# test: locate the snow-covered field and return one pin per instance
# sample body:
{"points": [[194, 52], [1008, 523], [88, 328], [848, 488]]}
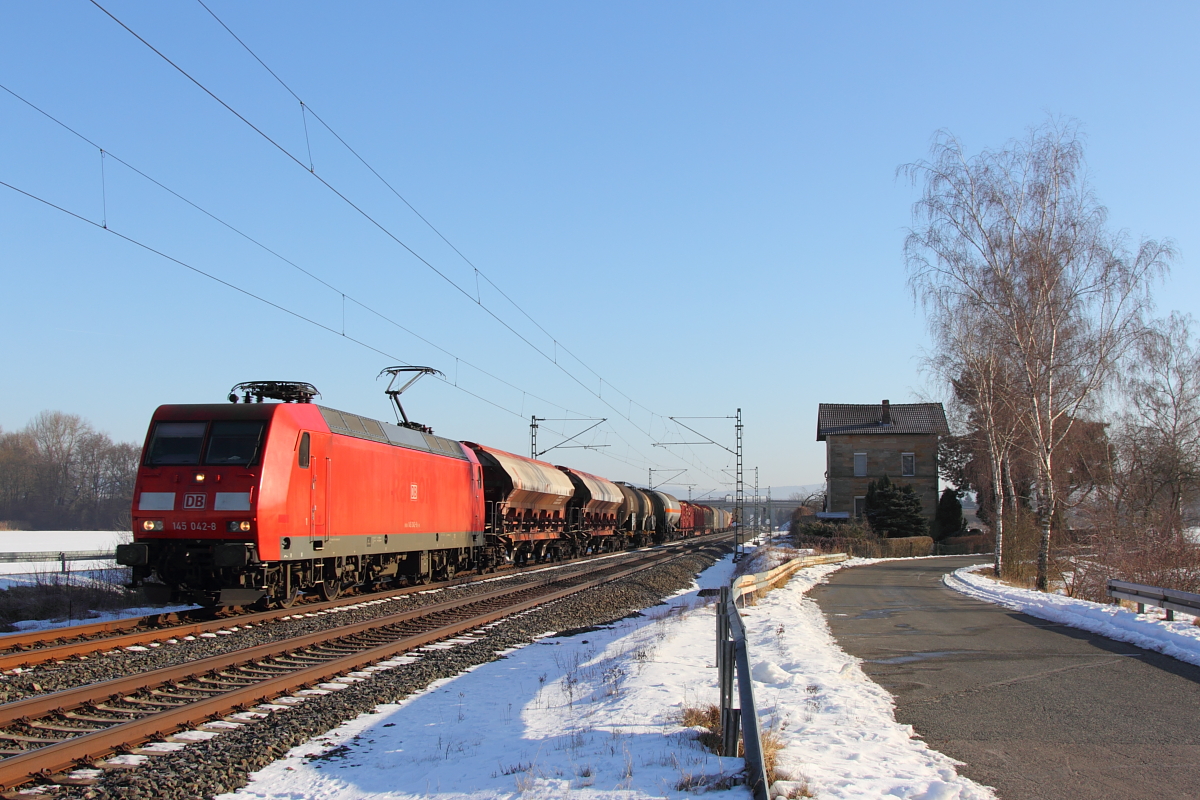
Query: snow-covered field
{"points": [[26, 572], [596, 715], [1179, 639], [49, 573]]}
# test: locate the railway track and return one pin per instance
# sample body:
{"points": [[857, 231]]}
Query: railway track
{"points": [[47, 736], [25, 650]]}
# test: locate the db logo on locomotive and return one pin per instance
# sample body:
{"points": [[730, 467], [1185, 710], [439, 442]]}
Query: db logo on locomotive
{"points": [[193, 501]]}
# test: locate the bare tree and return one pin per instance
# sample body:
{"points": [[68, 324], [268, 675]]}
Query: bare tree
{"points": [[1158, 437], [1017, 236], [60, 472], [971, 356]]}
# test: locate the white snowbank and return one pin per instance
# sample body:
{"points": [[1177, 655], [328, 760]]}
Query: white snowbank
{"points": [[1179, 639], [596, 715]]}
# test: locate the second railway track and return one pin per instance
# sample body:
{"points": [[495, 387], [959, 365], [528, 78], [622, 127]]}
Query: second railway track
{"points": [[24, 650], [53, 733]]}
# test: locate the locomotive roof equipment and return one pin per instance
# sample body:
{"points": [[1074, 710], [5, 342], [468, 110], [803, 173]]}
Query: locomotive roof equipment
{"points": [[394, 394], [284, 391]]}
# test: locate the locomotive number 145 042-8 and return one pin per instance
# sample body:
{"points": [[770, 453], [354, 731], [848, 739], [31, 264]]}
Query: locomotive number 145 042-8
{"points": [[193, 526]]}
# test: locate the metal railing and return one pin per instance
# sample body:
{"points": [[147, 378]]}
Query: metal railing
{"points": [[733, 657], [61, 556], [1171, 599]]}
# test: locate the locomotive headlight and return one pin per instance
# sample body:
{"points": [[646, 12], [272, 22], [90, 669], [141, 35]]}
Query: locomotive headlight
{"points": [[244, 526], [200, 477], [238, 527], [152, 525]]}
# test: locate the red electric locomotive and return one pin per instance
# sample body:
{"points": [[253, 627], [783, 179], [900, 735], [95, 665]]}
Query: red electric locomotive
{"points": [[242, 503]]}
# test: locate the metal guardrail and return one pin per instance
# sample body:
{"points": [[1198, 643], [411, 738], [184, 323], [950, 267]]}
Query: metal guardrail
{"points": [[733, 656], [1171, 599], [61, 556]]}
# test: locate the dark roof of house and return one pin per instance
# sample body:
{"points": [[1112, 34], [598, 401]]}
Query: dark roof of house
{"points": [[851, 418]]}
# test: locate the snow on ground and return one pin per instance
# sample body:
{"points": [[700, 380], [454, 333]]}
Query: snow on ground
{"points": [[92, 616], [838, 726], [1179, 639], [79, 573], [33, 541], [595, 715], [57, 542]]}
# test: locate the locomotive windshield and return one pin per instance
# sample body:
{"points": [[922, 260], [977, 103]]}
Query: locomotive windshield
{"points": [[176, 443], [181, 443], [233, 443]]}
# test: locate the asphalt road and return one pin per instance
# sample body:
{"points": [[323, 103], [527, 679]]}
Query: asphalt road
{"points": [[1035, 709]]}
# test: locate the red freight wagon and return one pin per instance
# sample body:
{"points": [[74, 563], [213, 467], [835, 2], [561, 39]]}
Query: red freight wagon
{"points": [[687, 518]]}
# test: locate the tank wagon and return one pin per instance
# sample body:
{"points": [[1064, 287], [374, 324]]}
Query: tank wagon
{"points": [[260, 502], [666, 510], [636, 515]]}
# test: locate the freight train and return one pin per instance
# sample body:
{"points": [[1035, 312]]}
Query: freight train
{"points": [[258, 503]]}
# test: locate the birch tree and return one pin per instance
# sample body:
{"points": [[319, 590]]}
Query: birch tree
{"points": [[971, 357], [1017, 236]]}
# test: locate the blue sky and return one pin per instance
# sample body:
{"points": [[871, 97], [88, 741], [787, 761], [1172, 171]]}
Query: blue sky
{"points": [[697, 200]]}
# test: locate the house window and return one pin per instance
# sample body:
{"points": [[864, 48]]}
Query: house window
{"points": [[860, 504], [860, 465], [908, 464]]}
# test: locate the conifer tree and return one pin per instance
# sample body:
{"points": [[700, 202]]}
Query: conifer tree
{"points": [[949, 520], [894, 511]]}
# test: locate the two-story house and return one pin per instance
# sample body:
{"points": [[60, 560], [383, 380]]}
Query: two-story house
{"points": [[865, 442]]}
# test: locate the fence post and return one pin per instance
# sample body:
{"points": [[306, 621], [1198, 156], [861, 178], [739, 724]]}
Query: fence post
{"points": [[63, 559], [722, 623], [730, 730]]}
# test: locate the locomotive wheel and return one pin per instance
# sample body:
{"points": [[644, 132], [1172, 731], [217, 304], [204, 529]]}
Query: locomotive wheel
{"points": [[286, 600], [330, 589]]}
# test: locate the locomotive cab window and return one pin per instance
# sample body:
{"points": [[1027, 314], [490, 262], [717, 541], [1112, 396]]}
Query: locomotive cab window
{"points": [[233, 443], [176, 443], [305, 447]]}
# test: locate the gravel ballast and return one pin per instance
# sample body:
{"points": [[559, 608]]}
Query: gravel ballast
{"points": [[98, 667], [222, 764]]}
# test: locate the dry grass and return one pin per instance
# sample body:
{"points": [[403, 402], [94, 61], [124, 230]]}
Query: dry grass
{"points": [[975, 543], [708, 719], [906, 547], [56, 596], [699, 782], [772, 743]]}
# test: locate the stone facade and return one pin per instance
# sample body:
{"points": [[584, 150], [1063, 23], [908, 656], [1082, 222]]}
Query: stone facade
{"points": [[884, 455]]}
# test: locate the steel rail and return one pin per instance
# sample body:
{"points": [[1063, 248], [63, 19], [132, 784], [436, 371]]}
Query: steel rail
{"points": [[19, 769], [62, 643]]}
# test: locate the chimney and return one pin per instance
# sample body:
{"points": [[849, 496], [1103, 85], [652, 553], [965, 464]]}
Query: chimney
{"points": [[887, 414]]}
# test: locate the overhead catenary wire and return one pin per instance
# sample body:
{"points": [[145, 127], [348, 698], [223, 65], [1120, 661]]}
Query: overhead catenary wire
{"points": [[246, 292], [478, 272], [266, 301], [643, 459], [343, 295], [376, 223], [384, 229]]}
